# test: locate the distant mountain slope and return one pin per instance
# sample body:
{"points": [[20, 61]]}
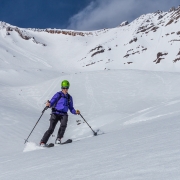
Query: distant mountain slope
{"points": [[151, 42]]}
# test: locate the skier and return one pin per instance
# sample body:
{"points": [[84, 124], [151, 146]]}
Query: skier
{"points": [[60, 103]]}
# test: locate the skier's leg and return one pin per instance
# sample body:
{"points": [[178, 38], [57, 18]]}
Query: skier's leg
{"points": [[53, 122], [62, 129]]}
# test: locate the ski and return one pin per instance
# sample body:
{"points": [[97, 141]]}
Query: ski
{"points": [[49, 145], [66, 142]]}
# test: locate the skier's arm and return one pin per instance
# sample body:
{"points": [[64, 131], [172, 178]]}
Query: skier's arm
{"points": [[71, 108], [54, 99]]}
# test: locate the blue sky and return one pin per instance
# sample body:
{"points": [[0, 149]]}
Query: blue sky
{"points": [[40, 13], [77, 14]]}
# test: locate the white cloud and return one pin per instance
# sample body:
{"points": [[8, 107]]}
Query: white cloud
{"points": [[110, 13]]}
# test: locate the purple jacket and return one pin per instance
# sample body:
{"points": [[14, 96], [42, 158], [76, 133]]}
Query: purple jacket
{"points": [[62, 105]]}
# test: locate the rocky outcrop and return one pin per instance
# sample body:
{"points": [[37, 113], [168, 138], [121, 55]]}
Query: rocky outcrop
{"points": [[170, 22], [96, 48], [160, 17], [133, 40], [23, 34], [177, 59], [98, 52], [172, 9], [99, 49], [70, 33], [159, 57], [178, 53], [146, 29], [125, 23]]}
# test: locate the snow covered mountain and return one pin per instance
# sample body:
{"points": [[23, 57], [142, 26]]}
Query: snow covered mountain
{"points": [[124, 80]]}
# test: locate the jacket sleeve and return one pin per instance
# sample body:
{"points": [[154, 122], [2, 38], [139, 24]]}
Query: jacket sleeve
{"points": [[54, 99], [71, 108]]}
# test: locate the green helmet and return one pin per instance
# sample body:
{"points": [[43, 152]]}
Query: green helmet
{"points": [[65, 84]]}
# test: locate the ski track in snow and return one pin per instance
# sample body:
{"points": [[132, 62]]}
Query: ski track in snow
{"points": [[140, 116], [32, 57]]}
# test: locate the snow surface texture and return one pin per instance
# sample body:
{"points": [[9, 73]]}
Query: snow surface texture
{"points": [[137, 110], [30, 146]]}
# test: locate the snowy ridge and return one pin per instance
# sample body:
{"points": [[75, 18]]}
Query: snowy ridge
{"points": [[142, 44]]}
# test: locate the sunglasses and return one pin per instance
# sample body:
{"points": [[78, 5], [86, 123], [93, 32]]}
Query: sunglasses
{"points": [[65, 88]]}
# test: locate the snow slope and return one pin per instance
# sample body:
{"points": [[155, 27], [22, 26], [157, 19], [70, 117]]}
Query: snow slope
{"points": [[139, 115], [137, 110]]}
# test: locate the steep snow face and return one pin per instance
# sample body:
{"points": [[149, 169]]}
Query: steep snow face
{"points": [[151, 42]]}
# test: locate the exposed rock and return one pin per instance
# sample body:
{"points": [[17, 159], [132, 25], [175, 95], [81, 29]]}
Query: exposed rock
{"points": [[159, 60], [145, 49], [154, 29], [127, 55], [90, 64], [160, 17], [98, 52], [70, 33], [129, 50], [177, 59], [34, 40], [22, 34], [135, 52], [172, 9], [159, 54], [171, 21], [133, 40], [161, 22], [176, 14], [174, 40], [146, 28], [178, 33], [158, 12], [9, 29], [96, 48], [178, 53], [124, 23]]}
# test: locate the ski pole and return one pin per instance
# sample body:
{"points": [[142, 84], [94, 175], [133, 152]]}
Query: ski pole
{"points": [[95, 133], [36, 123]]}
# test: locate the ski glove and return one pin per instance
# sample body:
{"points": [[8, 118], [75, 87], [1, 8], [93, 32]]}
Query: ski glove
{"points": [[77, 112], [48, 103]]}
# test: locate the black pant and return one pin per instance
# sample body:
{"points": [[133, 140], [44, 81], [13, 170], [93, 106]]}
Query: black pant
{"points": [[53, 121]]}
